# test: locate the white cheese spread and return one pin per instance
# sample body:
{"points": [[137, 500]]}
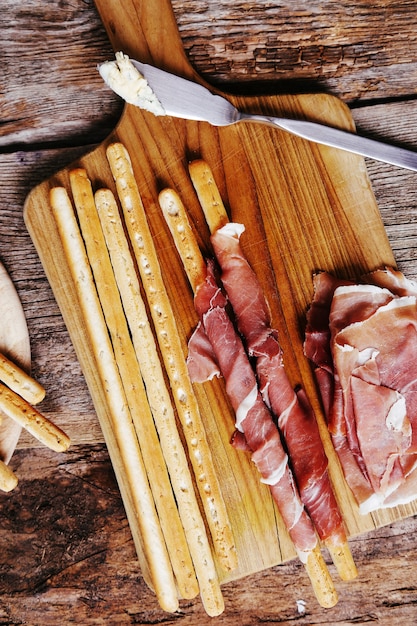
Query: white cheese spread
{"points": [[125, 80]]}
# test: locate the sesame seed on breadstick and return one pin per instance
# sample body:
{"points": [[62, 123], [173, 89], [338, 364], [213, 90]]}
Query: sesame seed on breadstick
{"points": [[15, 407]]}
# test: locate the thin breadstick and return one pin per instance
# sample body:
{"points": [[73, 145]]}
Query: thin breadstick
{"points": [[216, 217], [189, 251], [127, 363], [20, 382], [116, 422], [320, 578], [208, 194], [185, 241], [160, 401], [15, 407], [343, 559], [8, 479], [173, 357]]}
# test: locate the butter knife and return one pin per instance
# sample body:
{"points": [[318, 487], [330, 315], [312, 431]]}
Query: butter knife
{"points": [[182, 98]]}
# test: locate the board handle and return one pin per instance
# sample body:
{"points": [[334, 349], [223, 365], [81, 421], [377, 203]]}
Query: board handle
{"points": [[146, 30]]}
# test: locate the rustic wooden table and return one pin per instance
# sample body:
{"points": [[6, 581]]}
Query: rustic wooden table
{"points": [[66, 553]]}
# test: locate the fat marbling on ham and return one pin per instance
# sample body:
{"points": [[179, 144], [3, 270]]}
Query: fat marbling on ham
{"points": [[362, 339]]}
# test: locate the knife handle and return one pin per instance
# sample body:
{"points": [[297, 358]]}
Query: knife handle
{"points": [[336, 138]]}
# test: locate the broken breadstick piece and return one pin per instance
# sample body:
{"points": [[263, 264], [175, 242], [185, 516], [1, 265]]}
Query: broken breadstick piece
{"points": [[8, 479], [15, 407], [20, 382]]}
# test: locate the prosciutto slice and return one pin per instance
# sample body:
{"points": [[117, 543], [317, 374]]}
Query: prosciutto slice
{"points": [[368, 343], [254, 423], [296, 419], [393, 280]]}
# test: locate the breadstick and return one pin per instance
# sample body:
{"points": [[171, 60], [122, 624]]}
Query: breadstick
{"points": [[127, 363], [160, 401], [20, 382], [8, 479], [320, 579], [116, 421], [15, 407], [173, 357], [343, 560], [187, 246], [216, 217], [208, 194], [183, 236]]}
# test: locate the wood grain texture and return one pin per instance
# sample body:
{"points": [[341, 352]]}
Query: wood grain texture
{"points": [[75, 562], [363, 52], [71, 563]]}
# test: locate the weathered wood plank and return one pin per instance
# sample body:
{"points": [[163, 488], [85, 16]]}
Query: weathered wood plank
{"points": [[362, 50], [53, 92], [394, 188], [67, 557]]}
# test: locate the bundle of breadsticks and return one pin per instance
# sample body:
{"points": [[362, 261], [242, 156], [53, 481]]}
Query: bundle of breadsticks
{"points": [[152, 423], [18, 393], [106, 248]]}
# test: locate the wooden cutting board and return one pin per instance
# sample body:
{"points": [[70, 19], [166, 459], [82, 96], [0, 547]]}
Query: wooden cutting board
{"points": [[305, 208]]}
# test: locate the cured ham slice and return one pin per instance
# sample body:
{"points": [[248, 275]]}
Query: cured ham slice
{"points": [[253, 418], [317, 337], [317, 347], [393, 280], [296, 419], [368, 341]]}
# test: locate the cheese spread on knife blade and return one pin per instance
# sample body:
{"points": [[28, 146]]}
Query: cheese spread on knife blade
{"points": [[125, 80]]}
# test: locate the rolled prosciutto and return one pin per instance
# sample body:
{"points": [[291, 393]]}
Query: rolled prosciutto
{"points": [[367, 346], [216, 340], [295, 417]]}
